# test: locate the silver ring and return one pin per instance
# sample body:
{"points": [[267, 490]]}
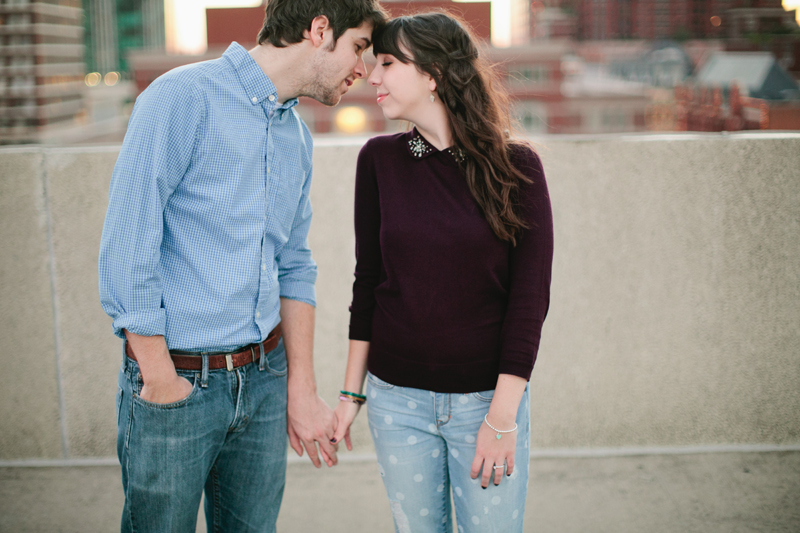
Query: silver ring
{"points": [[495, 467]]}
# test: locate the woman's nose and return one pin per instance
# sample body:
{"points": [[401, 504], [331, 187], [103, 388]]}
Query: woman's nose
{"points": [[374, 78]]}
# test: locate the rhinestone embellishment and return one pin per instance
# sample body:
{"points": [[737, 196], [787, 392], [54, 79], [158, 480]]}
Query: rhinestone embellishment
{"points": [[457, 153], [418, 146]]}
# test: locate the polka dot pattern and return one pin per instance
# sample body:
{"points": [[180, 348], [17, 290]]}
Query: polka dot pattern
{"points": [[469, 439], [435, 454], [400, 496], [412, 440], [496, 500], [418, 478], [388, 420], [463, 399], [476, 520], [393, 459], [454, 452], [423, 512], [412, 405]]}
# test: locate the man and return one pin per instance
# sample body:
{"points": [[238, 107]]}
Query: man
{"points": [[206, 271]]}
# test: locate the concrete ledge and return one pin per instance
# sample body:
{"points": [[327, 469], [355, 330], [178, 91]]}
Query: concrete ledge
{"points": [[673, 319]]}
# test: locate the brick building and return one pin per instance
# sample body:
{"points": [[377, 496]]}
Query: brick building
{"points": [[671, 19], [41, 68]]}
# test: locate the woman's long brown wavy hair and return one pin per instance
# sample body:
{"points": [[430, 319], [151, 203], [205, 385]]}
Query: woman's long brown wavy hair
{"points": [[441, 46]]}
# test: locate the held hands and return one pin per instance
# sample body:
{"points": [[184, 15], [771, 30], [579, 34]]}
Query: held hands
{"points": [[491, 451], [310, 422], [345, 414]]}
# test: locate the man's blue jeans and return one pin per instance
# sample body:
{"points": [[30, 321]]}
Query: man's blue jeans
{"points": [[228, 437]]}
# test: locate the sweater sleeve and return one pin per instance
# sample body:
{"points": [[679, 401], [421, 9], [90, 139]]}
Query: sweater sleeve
{"points": [[368, 249], [530, 265]]}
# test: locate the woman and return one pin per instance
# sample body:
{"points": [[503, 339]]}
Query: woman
{"points": [[454, 250]]}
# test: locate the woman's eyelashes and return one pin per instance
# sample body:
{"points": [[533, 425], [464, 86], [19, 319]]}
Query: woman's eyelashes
{"points": [[386, 63]]}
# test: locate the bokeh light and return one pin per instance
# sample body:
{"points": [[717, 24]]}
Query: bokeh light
{"points": [[351, 119], [111, 78], [93, 79]]}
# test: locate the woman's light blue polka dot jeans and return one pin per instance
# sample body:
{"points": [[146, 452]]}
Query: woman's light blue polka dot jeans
{"points": [[425, 442]]}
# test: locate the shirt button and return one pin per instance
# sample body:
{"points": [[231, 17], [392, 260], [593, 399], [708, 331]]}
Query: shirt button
{"points": [[272, 98], [264, 267], [267, 170], [254, 99], [258, 315]]}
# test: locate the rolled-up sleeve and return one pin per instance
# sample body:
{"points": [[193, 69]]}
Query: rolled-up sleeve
{"points": [[155, 154], [297, 271]]}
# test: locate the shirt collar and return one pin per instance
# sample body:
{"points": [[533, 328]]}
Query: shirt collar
{"points": [[420, 148], [257, 85]]}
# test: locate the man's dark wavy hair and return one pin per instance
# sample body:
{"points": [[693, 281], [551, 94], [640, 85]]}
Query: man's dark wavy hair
{"points": [[286, 20]]}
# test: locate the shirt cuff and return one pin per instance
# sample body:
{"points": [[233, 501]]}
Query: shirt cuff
{"points": [[516, 368], [302, 291], [145, 323]]}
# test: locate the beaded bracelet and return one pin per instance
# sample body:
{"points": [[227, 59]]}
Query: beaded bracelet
{"points": [[499, 431]]}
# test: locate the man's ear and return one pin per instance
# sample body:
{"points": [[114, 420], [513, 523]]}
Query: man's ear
{"points": [[316, 33]]}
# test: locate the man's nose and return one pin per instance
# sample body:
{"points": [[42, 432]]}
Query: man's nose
{"points": [[361, 68]]}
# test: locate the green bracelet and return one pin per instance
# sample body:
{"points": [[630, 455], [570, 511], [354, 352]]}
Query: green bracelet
{"points": [[353, 394]]}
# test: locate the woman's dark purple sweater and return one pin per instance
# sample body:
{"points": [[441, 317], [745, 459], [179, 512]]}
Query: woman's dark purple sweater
{"points": [[444, 303]]}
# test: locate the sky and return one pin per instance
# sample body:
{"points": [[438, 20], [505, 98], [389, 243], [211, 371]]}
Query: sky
{"points": [[186, 21]]}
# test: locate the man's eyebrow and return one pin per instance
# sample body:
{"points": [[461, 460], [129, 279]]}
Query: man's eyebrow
{"points": [[367, 42]]}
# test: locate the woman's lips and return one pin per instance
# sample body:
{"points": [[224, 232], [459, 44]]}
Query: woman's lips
{"points": [[381, 97]]}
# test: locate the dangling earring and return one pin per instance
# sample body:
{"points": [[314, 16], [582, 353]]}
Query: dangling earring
{"points": [[433, 99]]}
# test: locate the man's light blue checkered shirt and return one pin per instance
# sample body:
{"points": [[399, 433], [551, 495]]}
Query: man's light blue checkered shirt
{"points": [[209, 209]]}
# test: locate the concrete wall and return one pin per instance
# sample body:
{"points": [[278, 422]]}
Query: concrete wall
{"points": [[674, 316]]}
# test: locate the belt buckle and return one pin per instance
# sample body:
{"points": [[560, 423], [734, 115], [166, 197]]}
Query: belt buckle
{"points": [[229, 362]]}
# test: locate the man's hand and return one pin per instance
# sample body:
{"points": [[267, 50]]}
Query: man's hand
{"points": [[161, 384], [311, 421], [170, 390]]}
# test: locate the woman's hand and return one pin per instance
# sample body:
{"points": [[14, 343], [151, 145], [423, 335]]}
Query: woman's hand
{"points": [[491, 451], [345, 414]]}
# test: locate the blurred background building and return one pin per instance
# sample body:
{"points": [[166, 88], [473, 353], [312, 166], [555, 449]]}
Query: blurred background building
{"points": [[71, 70], [41, 69]]}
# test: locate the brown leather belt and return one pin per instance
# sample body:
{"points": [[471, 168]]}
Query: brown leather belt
{"points": [[248, 354]]}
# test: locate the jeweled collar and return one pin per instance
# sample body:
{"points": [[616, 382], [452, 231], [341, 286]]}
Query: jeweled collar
{"points": [[420, 148]]}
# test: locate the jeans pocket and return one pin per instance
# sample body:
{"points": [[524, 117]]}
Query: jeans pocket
{"points": [[276, 361], [483, 396], [375, 381], [191, 376]]}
